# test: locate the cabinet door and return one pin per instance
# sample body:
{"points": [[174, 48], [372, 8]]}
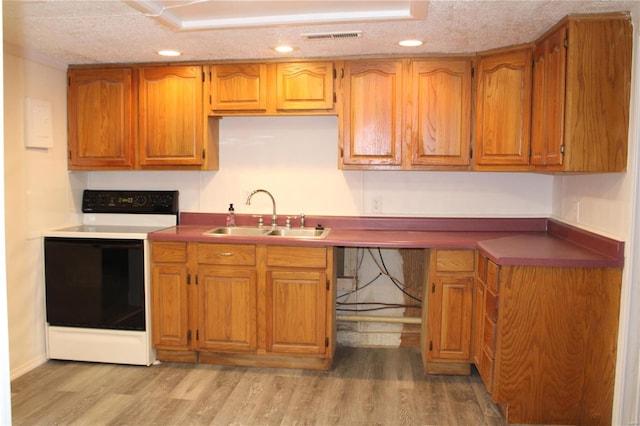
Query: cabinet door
{"points": [[171, 116], [441, 112], [227, 314], [296, 311], [450, 315], [598, 89], [239, 87], [170, 306], [100, 119], [503, 109], [371, 123], [549, 76], [304, 86]]}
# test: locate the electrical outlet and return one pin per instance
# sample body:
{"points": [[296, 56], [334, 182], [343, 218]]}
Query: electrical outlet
{"points": [[376, 204]]}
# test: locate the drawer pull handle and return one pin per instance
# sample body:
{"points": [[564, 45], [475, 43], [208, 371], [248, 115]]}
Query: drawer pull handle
{"points": [[226, 254]]}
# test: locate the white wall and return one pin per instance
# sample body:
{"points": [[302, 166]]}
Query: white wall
{"points": [[39, 195], [296, 159], [5, 385]]}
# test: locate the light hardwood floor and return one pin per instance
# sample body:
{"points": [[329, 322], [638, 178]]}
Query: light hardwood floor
{"points": [[365, 387]]}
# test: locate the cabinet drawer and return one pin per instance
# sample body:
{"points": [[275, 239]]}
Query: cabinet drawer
{"points": [[227, 254], [489, 336], [455, 261], [303, 257], [492, 276], [486, 370], [482, 268], [163, 251], [491, 305]]}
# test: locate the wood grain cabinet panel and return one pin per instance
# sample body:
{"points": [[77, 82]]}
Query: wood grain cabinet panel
{"points": [[171, 116], [449, 313], [296, 304], [371, 125], [141, 117], [550, 355], [243, 304], [503, 109], [227, 254], [170, 296], [170, 301], [487, 270], [581, 106], [441, 112], [101, 119], [283, 88], [451, 306], [227, 312], [478, 318], [304, 86], [239, 87], [549, 71]]}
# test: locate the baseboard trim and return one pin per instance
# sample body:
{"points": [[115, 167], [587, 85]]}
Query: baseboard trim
{"points": [[26, 367]]}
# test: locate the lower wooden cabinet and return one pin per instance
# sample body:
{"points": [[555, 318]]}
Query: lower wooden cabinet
{"points": [[227, 309], [448, 315], [547, 341], [296, 312], [170, 296], [243, 304], [485, 318]]}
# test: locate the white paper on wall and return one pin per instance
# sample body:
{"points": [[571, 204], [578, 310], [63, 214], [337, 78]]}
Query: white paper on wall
{"points": [[38, 124]]}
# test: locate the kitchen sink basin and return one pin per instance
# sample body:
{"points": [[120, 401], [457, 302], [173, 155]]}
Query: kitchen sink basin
{"points": [[250, 231], [300, 232], [246, 231]]}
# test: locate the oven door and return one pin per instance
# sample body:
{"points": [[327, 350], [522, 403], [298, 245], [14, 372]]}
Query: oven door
{"points": [[95, 283]]}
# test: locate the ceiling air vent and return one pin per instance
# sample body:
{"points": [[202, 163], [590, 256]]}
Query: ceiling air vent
{"points": [[341, 34]]}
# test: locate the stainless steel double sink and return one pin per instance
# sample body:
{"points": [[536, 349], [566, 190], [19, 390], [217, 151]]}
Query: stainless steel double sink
{"points": [[250, 231]]}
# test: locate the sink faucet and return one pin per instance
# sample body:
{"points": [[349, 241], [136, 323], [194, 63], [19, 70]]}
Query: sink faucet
{"points": [[274, 217]]}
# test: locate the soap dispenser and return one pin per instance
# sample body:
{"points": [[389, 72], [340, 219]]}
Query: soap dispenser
{"points": [[231, 218]]}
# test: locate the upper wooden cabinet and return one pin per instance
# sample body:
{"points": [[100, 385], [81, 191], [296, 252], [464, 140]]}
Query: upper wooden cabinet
{"points": [[139, 118], [503, 109], [547, 123], [581, 93], [440, 123], [271, 89], [304, 86], [239, 87], [170, 116], [371, 123], [102, 132], [406, 114], [560, 104]]}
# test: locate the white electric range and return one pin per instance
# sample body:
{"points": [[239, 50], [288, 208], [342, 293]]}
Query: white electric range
{"points": [[97, 278]]}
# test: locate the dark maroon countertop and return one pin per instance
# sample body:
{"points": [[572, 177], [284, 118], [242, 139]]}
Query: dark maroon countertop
{"points": [[506, 241]]}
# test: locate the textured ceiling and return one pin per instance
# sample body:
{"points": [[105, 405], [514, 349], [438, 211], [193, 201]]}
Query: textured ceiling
{"points": [[80, 32]]}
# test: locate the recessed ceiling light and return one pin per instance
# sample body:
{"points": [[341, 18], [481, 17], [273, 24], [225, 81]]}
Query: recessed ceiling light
{"points": [[283, 49], [410, 43], [168, 53]]}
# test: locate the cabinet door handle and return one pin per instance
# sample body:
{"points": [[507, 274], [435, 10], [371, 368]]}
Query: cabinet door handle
{"points": [[226, 254]]}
